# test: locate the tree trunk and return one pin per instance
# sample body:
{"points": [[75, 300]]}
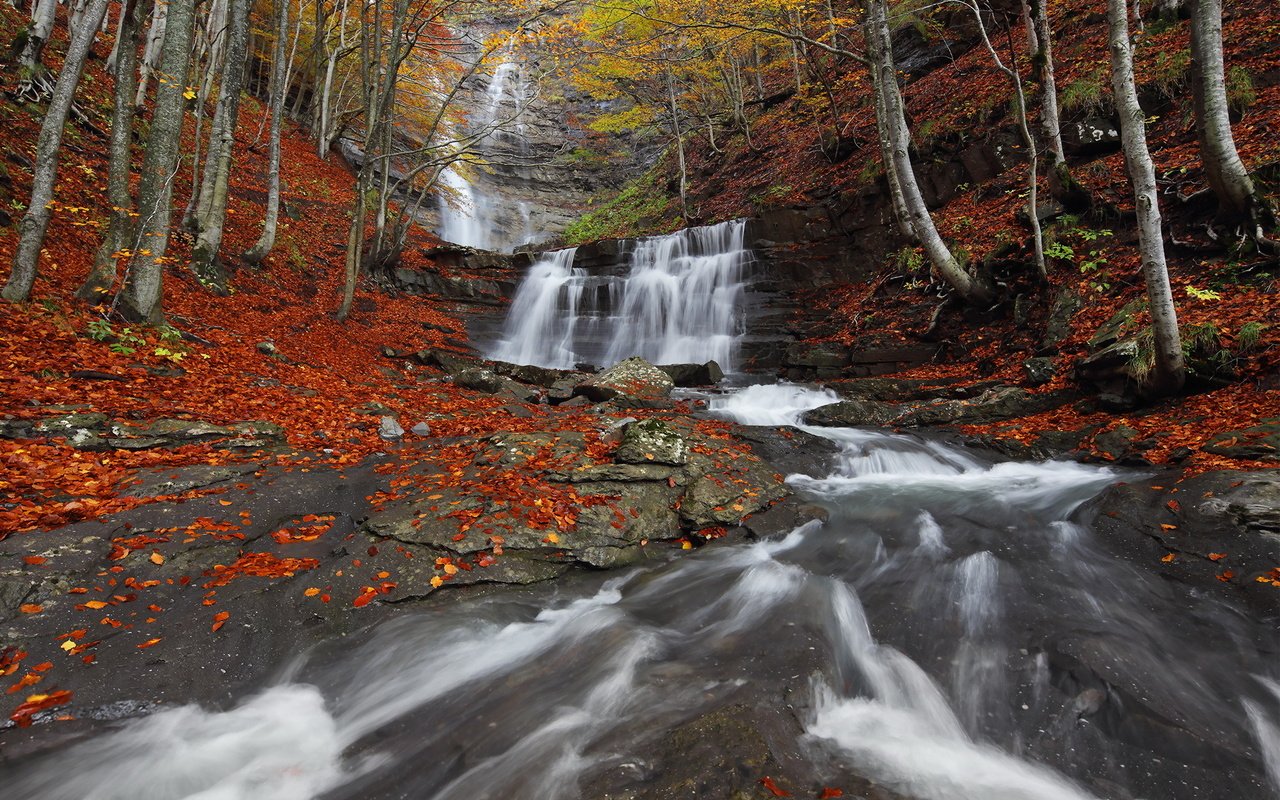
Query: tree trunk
{"points": [[36, 221], [42, 19], [679, 136], [880, 49], [140, 297], [1043, 62], [151, 55], [1237, 197], [900, 214], [102, 276], [211, 208], [279, 90], [1169, 372]]}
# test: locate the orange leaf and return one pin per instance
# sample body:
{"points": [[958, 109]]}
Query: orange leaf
{"points": [[311, 592], [156, 558], [31, 608], [829, 792], [773, 788], [34, 560], [1217, 556], [1168, 558], [95, 604], [148, 643], [1226, 576]]}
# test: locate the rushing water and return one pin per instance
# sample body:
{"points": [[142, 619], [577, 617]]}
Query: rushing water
{"points": [[468, 216], [953, 631], [679, 301]]}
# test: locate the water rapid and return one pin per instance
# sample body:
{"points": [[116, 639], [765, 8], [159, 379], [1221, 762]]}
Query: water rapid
{"points": [[680, 300], [952, 631]]}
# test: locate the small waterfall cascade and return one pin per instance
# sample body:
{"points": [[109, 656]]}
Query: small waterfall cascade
{"points": [[680, 299], [468, 216]]}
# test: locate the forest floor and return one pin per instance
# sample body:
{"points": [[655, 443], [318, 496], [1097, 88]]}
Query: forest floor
{"points": [[328, 385]]}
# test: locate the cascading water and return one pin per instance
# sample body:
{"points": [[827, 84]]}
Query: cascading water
{"points": [[952, 632], [681, 301], [468, 216]]}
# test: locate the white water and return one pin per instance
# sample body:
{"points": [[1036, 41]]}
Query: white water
{"points": [[469, 217], [681, 301], [941, 635]]}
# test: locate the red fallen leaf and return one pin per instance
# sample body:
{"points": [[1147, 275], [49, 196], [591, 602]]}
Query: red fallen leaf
{"points": [[773, 788], [37, 703], [365, 598], [1217, 556], [34, 561], [1226, 576], [829, 792], [31, 608], [43, 667], [324, 598], [373, 550], [220, 619], [1174, 506], [149, 643]]}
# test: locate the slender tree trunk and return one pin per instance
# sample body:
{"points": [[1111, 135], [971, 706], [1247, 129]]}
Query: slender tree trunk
{"points": [[42, 19], [1225, 172], [211, 208], [1045, 74], [103, 274], [36, 221], [140, 298], [880, 49], [899, 204], [151, 55], [279, 90], [1170, 370], [678, 133]]}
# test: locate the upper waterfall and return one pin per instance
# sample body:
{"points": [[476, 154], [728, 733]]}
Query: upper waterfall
{"points": [[681, 300]]}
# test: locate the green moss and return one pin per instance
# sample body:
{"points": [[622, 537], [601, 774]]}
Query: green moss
{"points": [[639, 208]]}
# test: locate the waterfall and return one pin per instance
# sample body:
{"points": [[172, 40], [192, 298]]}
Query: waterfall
{"points": [[468, 216], [681, 300]]}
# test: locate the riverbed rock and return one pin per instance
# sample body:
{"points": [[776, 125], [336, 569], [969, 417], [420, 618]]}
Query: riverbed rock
{"points": [[1259, 442], [692, 375], [389, 429], [852, 414], [483, 380], [652, 441], [634, 381]]}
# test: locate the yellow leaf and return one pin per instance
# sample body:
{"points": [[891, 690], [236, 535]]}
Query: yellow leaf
{"points": [[68, 645], [156, 558], [553, 538], [312, 592], [437, 581]]}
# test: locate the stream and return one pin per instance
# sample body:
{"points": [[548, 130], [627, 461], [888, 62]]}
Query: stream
{"points": [[952, 631]]}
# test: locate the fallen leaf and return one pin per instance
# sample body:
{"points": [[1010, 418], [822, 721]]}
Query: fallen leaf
{"points": [[311, 592], [156, 558], [773, 788], [149, 643], [1168, 558], [1217, 556], [31, 608]]}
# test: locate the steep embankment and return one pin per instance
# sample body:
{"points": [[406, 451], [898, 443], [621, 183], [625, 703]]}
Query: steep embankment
{"points": [[866, 304]]}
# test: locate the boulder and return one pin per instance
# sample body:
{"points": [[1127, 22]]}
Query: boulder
{"points": [[689, 375], [634, 380], [1091, 137], [1039, 370], [994, 405], [482, 380], [389, 429], [852, 414], [1260, 442], [654, 442]]}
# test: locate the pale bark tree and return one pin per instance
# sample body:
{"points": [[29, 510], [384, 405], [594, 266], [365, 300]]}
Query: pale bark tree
{"points": [[35, 223], [102, 276], [279, 91], [211, 207], [880, 53], [152, 53], [140, 298], [1041, 33], [1238, 198], [1169, 369], [32, 82]]}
